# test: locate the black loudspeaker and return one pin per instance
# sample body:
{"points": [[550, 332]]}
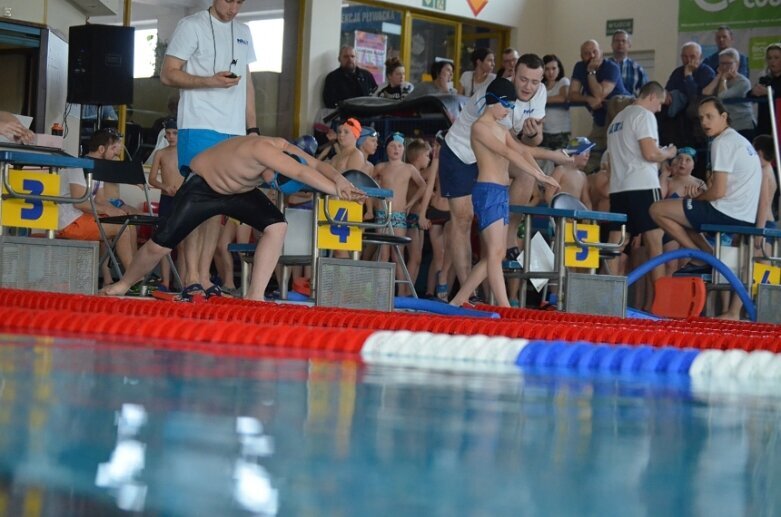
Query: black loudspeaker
{"points": [[100, 64]]}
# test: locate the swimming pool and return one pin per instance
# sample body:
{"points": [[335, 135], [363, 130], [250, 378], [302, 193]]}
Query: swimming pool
{"points": [[105, 425]]}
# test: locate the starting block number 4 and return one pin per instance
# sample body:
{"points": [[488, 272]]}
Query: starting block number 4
{"points": [[22, 213], [340, 236], [576, 255], [765, 274]]}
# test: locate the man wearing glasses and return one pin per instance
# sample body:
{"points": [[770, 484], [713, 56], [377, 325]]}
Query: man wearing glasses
{"points": [[208, 60]]}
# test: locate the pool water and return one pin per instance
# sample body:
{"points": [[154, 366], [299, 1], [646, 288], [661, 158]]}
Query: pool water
{"points": [[89, 428]]}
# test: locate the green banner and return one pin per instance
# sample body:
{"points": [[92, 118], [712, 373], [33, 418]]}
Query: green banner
{"points": [[757, 48], [700, 15]]}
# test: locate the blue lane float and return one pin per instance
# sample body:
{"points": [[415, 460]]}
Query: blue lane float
{"points": [[436, 307], [589, 358], [709, 259]]}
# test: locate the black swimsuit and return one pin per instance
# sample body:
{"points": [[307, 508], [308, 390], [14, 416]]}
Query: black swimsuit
{"points": [[196, 202]]}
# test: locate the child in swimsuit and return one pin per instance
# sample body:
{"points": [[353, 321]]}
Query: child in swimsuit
{"points": [[396, 175], [495, 149]]}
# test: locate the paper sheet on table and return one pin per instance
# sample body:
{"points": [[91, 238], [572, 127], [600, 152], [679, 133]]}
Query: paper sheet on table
{"points": [[25, 120], [541, 260]]}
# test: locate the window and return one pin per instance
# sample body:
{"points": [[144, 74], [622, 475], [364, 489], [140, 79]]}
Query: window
{"points": [[267, 35], [432, 40], [144, 52]]}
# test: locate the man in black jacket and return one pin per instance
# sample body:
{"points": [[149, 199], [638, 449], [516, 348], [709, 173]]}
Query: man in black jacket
{"points": [[347, 81]]}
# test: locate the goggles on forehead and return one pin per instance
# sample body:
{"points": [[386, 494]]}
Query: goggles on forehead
{"points": [[503, 101], [395, 137]]}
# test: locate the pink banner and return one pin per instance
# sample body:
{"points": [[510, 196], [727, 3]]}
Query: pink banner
{"points": [[370, 50]]}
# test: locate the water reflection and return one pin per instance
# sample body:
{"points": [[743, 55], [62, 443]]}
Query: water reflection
{"points": [[96, 431]]}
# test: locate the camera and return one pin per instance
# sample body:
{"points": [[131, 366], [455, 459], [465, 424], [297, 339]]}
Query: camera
{"points": [[765, 80]]}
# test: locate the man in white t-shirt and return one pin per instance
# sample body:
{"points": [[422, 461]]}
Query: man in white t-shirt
{"points": [[76, 221], [733, 189], [208, 59], [635, 155], [457, 162]]}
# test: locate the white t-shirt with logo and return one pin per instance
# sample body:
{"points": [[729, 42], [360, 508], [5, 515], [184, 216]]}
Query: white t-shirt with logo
{"points": [[628, 169], [66, 212], [219, 109], [735, 156], [458, 136], [557, 119]]}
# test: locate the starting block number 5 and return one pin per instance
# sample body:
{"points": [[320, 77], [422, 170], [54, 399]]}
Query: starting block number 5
{"points": [[576, 255], [22, 213], [340, 236]]}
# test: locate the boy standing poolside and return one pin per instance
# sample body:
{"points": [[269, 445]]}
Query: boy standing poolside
{"points": [[396, 175], [495, 151], [165, 166]]}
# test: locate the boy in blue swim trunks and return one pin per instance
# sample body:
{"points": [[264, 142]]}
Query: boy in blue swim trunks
{"points": [[492, 144]]}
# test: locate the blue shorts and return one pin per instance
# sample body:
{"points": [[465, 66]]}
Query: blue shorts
{"points": [[456, 178], [490, 202], [192, 141], [702, 212]]}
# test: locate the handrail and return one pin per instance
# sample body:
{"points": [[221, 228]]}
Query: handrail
{"points": [[36, 197], [610, 246], [376, 193]]}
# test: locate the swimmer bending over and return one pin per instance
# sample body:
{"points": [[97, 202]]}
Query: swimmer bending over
{"points": [[224, 180]]}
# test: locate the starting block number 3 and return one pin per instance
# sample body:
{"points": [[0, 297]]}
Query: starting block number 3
{"points": [[22, 213], [340, 236]]}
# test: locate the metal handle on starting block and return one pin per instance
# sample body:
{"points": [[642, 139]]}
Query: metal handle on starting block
{"points": [[373, 226], [599, 245], [54, 199]]}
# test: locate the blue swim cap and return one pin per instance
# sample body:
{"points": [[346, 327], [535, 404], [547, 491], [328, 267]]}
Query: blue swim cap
{"points": [[284, 184], [689, 151], [579, 145], [306, 143], [366, 132]]}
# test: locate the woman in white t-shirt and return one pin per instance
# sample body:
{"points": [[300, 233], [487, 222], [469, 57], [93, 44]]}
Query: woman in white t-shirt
{"points": [[483, 62], [556, 129]]}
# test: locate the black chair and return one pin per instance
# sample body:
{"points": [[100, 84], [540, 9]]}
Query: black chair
{"points": [[383, 231], [127, 173]]}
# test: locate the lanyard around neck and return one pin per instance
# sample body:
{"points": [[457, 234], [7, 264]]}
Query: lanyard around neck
{"points": [[214, 44]]}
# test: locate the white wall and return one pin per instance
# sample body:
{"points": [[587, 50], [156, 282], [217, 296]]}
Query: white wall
{"points": [[561, 26], [321, 40], [495, 11], [60, 14]]}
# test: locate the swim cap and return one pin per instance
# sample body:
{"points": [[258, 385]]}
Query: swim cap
{"points": [[354, 126], [394, 137], [579, 145], [366, 133], [306, 143], [500, 90], [284, 184], [689, 151]]}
